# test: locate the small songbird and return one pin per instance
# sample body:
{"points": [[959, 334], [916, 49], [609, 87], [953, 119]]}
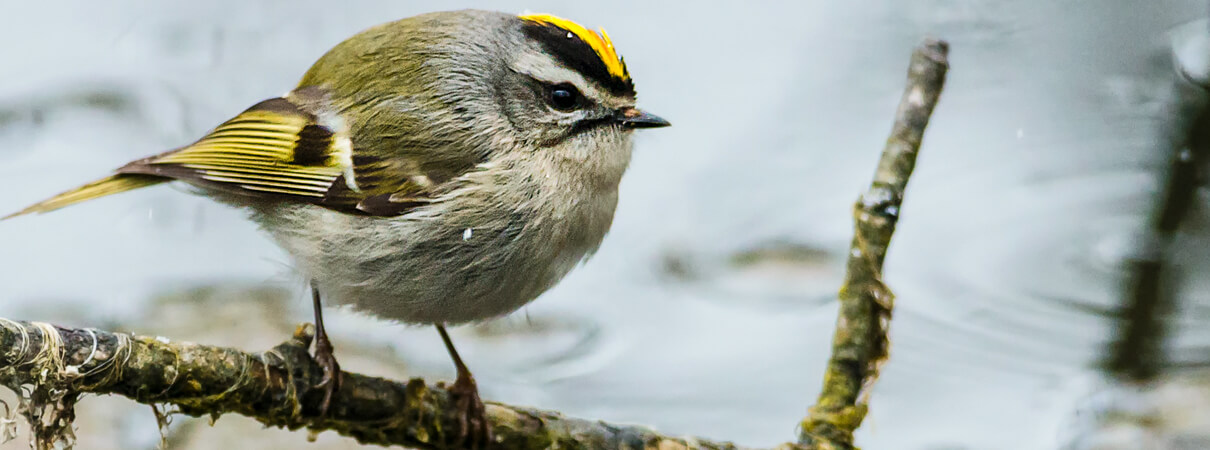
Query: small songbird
{"points": [[441, 169]]}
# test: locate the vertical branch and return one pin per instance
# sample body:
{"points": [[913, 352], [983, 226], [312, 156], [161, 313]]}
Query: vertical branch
{"points": [[859, 346], [1136, 352]]}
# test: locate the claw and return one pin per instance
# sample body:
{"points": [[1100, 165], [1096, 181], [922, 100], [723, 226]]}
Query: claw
{"points": [[324, 356], [332, 375], [475, 430]]}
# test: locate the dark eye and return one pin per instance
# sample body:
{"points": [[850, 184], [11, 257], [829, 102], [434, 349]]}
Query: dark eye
{"points": [[563, 97]]}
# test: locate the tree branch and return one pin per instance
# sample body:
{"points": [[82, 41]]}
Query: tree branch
{"points": [[276, 387], [859, 346], [1137, 351]]}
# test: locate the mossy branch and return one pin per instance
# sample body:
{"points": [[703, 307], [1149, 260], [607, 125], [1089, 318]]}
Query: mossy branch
{"points": [[859, 346], [56, 365]]}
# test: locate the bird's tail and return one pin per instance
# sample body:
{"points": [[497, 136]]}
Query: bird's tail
{"points": [[106, 186]]}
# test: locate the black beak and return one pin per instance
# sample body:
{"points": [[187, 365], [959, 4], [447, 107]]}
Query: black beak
{"points": [[634, 118]]}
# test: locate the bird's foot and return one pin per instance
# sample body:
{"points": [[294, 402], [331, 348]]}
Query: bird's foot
{"points": [[476, 431], [332, 375]]}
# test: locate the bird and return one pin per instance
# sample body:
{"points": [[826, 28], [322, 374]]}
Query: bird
{"points": [[441, 169]]}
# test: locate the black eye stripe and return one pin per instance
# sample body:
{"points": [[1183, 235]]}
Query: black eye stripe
{"points": [[577, 55]]}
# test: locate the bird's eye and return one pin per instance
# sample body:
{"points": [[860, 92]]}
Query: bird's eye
{"points": [[563, 97]]}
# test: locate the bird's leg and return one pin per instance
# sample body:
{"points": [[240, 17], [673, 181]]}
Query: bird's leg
{"points": [[473, 416], [324, 356]]}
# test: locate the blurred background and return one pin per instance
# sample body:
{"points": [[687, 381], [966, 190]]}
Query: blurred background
{"points": [[709, 309]]}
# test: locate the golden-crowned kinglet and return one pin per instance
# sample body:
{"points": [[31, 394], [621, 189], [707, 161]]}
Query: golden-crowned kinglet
{"points": [[441, 169]]}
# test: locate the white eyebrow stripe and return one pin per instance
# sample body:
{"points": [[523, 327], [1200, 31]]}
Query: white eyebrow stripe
{"points": [[543, 69]]}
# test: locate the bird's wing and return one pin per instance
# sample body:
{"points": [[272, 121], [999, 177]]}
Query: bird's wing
{"points": [[289, 149]]}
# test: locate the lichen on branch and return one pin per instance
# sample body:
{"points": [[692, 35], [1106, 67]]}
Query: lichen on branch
{"points": [[859, 346], [53, 366]]}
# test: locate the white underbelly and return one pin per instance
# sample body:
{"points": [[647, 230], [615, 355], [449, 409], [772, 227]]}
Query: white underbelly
{"points": [[419, 270]]}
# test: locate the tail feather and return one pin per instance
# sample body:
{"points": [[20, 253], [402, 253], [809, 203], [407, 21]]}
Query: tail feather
{"points": [[100, 188]]}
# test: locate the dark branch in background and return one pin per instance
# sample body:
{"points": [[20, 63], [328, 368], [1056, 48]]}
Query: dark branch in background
{"points": [[51, 367], [1137, 353], [860, 344]]}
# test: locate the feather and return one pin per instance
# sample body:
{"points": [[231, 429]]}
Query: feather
{"points": [[274, 147], [281, 149], [109, 185]]}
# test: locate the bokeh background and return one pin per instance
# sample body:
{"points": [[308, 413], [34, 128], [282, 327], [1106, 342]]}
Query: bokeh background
{"points": [[709, 309]]}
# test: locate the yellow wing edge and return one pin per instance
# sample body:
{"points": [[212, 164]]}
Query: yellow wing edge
{"points": [[106, 186]]}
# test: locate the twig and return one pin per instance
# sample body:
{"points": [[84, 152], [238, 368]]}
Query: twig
{"points": [[860, 343], [277, 388]]}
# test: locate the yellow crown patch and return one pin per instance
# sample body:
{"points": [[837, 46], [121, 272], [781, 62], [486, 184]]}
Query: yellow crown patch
{"points": [[598, 41]]}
